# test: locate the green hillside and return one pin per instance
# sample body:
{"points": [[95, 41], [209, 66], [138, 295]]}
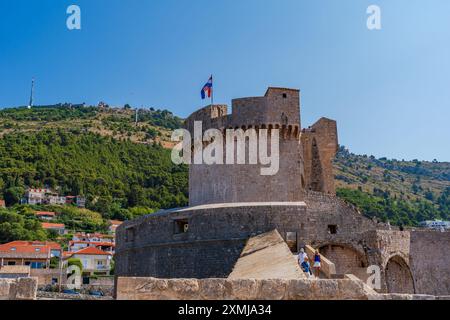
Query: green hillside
{"points": [[112, 174], [403, 192]]}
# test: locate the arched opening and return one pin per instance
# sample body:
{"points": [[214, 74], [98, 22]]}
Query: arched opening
{"points": [[398, 276], [346, 259]]}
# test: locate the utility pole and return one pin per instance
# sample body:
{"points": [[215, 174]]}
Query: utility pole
{"points": [[137, 117]]}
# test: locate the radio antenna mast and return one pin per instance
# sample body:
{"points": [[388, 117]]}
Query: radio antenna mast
{"points": [[30, 105]]}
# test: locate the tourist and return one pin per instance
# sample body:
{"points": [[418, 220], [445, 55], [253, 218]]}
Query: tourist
{"points": [[301, 256], [316, 265], [306, 267]]}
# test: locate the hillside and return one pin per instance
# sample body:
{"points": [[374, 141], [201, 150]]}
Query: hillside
{"points": [[124, 168], [152, 126], [403, 192]]}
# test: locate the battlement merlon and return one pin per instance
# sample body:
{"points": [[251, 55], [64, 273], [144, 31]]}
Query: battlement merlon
{"points": [[279, 107]]}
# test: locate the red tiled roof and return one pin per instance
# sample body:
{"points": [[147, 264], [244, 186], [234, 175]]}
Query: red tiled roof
{"points": [[116, 222], [96, 243], [29, 247], [47, 225], [91, 251], [45, 213]]}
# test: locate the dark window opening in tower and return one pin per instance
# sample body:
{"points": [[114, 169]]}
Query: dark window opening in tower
{"points": [[181, 226]]}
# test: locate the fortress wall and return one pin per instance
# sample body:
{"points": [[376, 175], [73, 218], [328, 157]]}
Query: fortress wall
{"points": [[217, 234], [210, 248], [325, 210], [244, 182], [199, 259], [430, 261]]}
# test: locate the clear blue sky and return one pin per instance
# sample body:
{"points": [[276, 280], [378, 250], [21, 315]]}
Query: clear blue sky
{"points": [[389, 90]]}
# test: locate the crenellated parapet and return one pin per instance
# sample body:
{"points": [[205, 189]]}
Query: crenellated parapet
{"points": [[278, 109]]}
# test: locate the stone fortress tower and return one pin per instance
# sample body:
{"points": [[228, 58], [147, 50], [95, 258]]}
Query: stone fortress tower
{"points": [[230, 204], [305, 155]]}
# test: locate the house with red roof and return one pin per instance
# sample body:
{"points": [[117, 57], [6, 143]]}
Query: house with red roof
{"points": [[60, 228], [36, 254], [2, 203], [76, 245], [93, 237], [94, 260], [45, 215]]}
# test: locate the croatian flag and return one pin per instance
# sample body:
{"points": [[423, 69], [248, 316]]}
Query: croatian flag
{"points": [[207, 89]]}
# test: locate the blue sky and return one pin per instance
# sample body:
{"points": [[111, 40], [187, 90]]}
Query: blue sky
{"points": [[389, 90]]}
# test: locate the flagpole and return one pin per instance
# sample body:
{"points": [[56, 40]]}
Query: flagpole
{"points": [[212, 90]]}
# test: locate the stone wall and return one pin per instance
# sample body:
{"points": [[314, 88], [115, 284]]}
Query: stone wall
{"points": [[45, 295], [239, 289], [151, 245], [430, 261], [320, 144], [18, 289], [279, 109], [45, 276]]}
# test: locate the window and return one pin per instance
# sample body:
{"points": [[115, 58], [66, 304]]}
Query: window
{"points": [[37, 265], [13, 249], [332, 229], [284, 95], [181, 226], [11, 263], [54, 281]]}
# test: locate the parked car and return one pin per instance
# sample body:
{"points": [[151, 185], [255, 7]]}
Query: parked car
{"points": [[96, 293], [68, 291]]}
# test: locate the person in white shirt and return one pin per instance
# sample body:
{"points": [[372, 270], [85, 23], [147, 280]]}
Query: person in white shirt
{"points": [[301, 256]]}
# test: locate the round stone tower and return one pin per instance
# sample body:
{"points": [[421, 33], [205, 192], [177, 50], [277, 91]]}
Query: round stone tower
{"points": [[278, 109]]}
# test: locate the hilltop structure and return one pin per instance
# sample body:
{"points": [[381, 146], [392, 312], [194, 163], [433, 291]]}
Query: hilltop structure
{"points": [[230, 204]]}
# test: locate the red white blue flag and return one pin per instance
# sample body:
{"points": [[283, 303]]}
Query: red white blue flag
{"points": [[207, 89]]}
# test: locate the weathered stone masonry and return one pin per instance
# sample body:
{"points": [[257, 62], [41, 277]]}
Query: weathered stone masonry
{"points": [[231, 203]]}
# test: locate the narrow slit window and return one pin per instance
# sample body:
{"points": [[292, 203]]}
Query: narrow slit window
{"points": [[332, 229], [181, 226]]}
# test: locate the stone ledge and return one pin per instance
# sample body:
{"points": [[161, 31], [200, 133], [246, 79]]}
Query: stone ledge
{"points": [[129, 288]]}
